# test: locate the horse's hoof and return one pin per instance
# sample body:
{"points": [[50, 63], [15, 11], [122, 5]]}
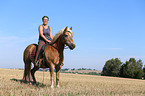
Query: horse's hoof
{"points": [[58, 86], [52, 86], [31, 83]]}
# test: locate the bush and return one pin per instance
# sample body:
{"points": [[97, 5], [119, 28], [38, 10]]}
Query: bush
{"points": [[132, 69], [112, 67]]}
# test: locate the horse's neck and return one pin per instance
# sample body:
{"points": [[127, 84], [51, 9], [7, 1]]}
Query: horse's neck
{"points": [[59, 44]]}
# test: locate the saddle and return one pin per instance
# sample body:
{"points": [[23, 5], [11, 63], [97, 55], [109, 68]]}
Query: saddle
{"points": [[41, 53], [43, 48]]}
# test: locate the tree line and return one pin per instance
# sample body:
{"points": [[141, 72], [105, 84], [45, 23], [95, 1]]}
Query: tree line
{"points": [[130, 69]]}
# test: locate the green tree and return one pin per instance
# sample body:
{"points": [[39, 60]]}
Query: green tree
{"points": [[144, 71], [132, 69], [112, 67]]}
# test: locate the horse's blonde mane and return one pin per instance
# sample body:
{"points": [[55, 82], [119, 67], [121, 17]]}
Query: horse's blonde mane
{"points": [[57, 35]]}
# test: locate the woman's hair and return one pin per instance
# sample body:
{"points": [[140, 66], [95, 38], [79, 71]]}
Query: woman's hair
{"points": [[44, 17]]}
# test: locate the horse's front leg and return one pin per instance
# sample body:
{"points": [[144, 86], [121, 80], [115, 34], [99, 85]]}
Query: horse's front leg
{"points": [[52, 75], [57, 68]]}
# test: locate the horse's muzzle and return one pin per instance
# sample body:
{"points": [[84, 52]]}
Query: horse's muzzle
{"points": [[71, 46]]}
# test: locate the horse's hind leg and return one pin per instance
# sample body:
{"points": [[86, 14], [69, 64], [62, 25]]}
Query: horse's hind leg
{"points": [[35, 68], [27, 72]]}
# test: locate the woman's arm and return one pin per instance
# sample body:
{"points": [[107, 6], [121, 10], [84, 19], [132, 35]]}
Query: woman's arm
{"points": [[41, 33], [51, 36]]}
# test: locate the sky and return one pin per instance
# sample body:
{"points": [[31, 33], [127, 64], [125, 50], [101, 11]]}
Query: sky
{"points": [[103, 29]]}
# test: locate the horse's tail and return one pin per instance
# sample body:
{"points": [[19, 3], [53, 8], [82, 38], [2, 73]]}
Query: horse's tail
{"points": [[27, 61]]}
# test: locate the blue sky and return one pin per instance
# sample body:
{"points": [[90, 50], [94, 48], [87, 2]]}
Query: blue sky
{"points": [[103, 29]]}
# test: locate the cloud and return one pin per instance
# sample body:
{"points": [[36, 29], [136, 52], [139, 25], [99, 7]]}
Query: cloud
{"points": [[113, 48]]}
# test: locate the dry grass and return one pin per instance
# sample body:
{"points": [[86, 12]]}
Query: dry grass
{"points": [[70, 85]]}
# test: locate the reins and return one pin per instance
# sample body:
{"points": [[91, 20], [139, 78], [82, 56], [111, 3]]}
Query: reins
{"points": [[66, 47]]}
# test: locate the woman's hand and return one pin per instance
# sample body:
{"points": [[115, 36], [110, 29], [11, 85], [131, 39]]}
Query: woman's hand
{"points": [[48, 41]]}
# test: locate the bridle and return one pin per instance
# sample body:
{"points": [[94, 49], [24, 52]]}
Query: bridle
{"points": [[63, 37], [65, 46]]}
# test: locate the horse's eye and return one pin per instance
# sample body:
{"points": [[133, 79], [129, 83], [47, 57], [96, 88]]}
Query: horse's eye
{"points": [[66, 35]]}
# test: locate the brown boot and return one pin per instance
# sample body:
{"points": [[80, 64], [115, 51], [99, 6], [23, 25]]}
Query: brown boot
{"points": [[61, 64]]}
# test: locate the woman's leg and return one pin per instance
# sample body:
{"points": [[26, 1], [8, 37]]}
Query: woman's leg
{"points": [[41, 43]]}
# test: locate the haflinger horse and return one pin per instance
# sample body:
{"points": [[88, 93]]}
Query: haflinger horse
{"points": [[51, 58]]}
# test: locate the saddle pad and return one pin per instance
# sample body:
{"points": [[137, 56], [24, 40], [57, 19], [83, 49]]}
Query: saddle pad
{"points": [[33, 53]]}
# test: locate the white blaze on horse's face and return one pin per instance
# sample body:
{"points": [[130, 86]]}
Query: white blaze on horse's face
{"points": [[69, 34], [68, 38]]}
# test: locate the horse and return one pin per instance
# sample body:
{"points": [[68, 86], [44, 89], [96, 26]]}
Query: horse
{"points": [[51, 58]]}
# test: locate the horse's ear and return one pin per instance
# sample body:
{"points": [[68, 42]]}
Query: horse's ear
{"points": [[71, 28], [65, 28]]}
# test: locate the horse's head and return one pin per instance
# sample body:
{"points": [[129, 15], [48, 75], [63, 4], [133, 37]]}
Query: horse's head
{"points": [[67, 35]]}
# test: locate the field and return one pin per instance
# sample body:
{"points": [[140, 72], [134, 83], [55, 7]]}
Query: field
{"points": [[70, 85], [97, 72]]}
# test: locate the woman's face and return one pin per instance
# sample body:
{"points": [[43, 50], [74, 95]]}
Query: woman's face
{"points": [[45, 21]]}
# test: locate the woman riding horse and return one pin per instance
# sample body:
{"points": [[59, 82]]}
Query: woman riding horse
{"points": [[52, 56], [45, 35]]}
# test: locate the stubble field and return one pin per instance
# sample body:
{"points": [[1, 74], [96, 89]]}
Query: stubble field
{"points": [[70, 85]]}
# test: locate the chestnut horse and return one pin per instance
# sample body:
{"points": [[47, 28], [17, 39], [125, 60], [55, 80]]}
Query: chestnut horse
{"points": [[52, 56]]}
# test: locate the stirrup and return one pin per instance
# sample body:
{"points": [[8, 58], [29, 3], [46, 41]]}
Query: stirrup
{"points": [[37, 63]]}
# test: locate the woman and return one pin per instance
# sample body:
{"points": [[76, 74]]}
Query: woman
{"points": [[45, 36]]}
